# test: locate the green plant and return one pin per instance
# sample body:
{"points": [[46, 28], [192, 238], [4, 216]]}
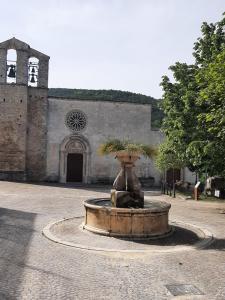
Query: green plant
{"points": [[193, 105], [113, 146]]}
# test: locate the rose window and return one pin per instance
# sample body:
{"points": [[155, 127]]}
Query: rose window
{"points": [[76, 120]]}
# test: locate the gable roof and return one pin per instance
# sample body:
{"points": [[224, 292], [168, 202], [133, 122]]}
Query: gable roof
{"points": [[16, 44]]}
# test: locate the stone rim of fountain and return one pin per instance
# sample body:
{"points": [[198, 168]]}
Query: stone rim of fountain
{"points": [[165, 206], [134, 223]]}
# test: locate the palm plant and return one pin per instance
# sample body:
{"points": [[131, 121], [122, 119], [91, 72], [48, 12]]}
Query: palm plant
{"points": [[114, 146]]}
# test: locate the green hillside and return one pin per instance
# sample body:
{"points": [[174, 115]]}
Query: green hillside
{"points": [[111, 95]]}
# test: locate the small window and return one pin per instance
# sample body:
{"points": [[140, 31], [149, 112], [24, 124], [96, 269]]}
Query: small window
{"points": [[11, 66], [33, 66]]}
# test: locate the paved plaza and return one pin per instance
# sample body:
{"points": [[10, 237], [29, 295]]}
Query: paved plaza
{"points": [[34, 268]]}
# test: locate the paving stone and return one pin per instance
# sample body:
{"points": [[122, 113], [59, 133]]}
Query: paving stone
{"points": [[32, 267], [183, 289]]}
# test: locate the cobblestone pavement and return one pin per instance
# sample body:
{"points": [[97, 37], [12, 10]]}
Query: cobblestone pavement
{"points": [[33, 267]]}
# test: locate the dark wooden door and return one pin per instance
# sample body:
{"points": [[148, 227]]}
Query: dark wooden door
{"points": [[74, 167], [170, 175]]}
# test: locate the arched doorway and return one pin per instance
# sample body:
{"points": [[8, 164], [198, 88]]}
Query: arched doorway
{"points": [[75, 160], [74, 167]]}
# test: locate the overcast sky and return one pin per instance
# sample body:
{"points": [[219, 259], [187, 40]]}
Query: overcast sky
{"points": [[109, 44]]}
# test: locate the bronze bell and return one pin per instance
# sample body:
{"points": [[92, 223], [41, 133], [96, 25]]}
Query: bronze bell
{"points": [[12, 72], [32, 80]]}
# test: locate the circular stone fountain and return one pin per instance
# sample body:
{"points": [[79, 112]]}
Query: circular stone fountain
{"points": [[151, 221], [138, 225], [126, 214]]}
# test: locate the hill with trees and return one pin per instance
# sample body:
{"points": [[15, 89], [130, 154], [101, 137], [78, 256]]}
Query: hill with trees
{"points": [[113, 96]]}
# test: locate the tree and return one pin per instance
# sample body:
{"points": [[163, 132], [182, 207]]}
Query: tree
{"points": [[167, 158], [211, 100], [193, 105], [178, 104], [211, 43]]}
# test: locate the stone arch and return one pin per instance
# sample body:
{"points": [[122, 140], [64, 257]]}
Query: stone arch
{"points": [[11, 69], [33, 71], [75, 144]]}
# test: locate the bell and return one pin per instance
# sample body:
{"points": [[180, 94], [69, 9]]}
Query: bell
{"points": [[12, 72], [32, 80], [33, 70]]}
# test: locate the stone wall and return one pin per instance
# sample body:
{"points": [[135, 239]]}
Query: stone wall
{"points": [[23, 115], [105, 120], [189, 176], [13, 124], [37, 134], [3, 65], [23, 123]]}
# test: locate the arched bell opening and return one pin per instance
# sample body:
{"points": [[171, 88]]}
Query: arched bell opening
{"points": [[33, 71], [75, 160], [11, 66]]}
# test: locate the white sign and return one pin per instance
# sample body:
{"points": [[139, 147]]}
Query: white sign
{"points": [[197, 184], [217, 193]]}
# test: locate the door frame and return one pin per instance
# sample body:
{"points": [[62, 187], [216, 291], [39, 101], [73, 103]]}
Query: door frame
{"points": [[75, 144]]}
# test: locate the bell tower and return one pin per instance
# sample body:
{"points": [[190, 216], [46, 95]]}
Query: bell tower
{"points": [[23, 111]]}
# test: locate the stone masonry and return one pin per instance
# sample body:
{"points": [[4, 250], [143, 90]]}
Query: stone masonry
{"points": [[23, 116], [37, 141]]}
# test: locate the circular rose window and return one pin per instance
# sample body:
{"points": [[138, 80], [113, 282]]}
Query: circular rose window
{"points": [[76, 120]]}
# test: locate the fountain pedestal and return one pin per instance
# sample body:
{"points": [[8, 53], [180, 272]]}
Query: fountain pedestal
{"points": [[127, 188], [125, 199]]}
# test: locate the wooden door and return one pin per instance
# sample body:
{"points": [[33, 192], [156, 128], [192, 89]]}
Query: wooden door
{"points": [[74, 167], [170, 175]]}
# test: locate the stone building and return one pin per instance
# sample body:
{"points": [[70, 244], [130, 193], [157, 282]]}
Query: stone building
{"points": [[45, 138], [23, 112]]}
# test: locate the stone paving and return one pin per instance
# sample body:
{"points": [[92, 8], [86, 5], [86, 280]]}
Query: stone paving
{"points": [[33, 267], [70, 232]]}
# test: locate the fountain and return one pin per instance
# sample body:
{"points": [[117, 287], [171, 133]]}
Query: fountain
{"points": [[126, 214], [137, 225]]}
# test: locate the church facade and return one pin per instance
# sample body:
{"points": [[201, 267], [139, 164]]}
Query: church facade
{"points": [[76, 128], [46, 138]]}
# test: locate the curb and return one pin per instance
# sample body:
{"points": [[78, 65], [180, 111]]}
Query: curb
{"points": [[206, 237]]}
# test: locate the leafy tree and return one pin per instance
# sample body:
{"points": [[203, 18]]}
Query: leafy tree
{"points": [[178, 105], [167, 158], [211, 43], [194, 105], [211, 119]]}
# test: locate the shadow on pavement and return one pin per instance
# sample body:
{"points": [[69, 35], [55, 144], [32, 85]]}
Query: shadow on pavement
{"points": [[184, 237], [180, 237], [149, 191], [16, 230], [218, 244]]}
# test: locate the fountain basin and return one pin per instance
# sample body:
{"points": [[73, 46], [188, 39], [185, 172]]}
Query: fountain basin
{"points": [[150, 221]]}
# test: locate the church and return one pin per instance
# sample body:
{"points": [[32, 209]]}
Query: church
{"points": [[51, 138]]}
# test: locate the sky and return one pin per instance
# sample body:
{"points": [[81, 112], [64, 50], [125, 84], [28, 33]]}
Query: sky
{"points": [[109, 44]]}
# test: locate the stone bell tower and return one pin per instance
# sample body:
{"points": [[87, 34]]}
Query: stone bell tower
{"points": [[23, 112]]}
